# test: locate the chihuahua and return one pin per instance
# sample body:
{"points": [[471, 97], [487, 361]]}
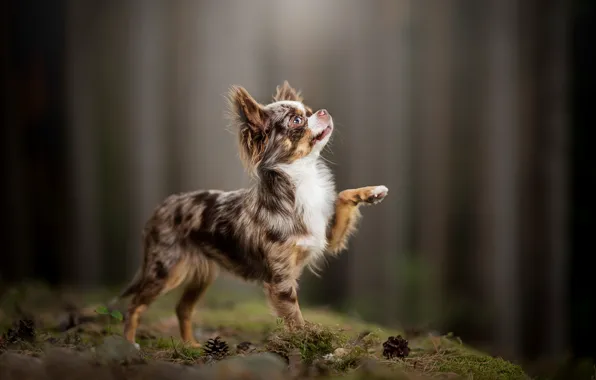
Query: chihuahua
{"points": [[290, 217]]}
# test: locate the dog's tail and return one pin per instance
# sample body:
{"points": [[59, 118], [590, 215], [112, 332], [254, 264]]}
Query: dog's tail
{"points": [[130, 289]]}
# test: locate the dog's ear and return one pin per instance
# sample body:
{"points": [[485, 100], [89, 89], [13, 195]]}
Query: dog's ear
{"points": [[246, 110], [251, 123], [286, 92]]}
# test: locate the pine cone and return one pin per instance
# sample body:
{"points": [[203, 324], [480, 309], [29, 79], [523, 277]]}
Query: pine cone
{"points": [[216, 348], [27, 330], [23, 330], [395, 347]]}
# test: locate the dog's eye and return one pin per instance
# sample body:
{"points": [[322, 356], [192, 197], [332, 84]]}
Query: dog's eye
{"points": [[297, 120]]}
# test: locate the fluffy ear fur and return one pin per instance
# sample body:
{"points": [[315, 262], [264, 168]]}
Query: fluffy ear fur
{"points": [[251, 124], [286, 92], [246, 110]]}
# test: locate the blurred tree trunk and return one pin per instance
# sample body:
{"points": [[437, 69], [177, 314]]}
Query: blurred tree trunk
{"points": [[432, 121], [583, 182], [36, 134], [556, 77], [16, 256], [500, 182], [543, 238], [111, 89], [394, 86], [206, 69], [146, 114], [463, 295], [86, 261], [379, 249], [364, 280]]}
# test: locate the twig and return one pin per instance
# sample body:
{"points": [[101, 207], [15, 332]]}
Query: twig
{"points": [[174, 345]]}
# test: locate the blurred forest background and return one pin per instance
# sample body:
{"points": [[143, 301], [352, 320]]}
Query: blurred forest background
{"points": [[475, 114]]}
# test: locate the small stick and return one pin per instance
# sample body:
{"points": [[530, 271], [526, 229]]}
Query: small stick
{"points": [[174, 345]]}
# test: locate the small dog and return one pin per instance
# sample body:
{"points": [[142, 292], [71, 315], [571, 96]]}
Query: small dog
{"points": [[290, 217]]}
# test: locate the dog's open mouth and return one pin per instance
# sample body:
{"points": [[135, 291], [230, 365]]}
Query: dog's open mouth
{"points": [[322, 134]]}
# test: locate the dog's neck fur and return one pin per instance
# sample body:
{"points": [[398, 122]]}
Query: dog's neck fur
{"points": [[315, 197], [304, 189]]}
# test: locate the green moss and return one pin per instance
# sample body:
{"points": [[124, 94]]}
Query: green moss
{"points": [[351, 360], [314, 341], [244, 316], [256, 317], [482, 367], [186, 353], [372, 339], [156, 344]]}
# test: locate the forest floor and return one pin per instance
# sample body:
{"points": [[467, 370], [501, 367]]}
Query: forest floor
{"points": [[67, 335]]}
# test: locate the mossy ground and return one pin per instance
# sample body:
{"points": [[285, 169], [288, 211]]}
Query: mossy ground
{"points": [[332, 344]]}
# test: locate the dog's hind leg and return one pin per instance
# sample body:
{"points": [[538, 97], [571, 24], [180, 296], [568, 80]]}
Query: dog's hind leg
{"points": [[158, 277], [206, 272]]}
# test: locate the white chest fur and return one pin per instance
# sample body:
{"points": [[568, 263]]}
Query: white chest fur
{"points": [[315, 198]]}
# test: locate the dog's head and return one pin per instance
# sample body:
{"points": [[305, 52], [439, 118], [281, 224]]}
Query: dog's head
{"points": [[280, 132]]}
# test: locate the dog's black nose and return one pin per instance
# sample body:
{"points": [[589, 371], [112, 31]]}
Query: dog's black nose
{"points": [[322, 112]]}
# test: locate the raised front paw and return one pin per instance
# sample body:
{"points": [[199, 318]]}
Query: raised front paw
{"points": [[374, 194], [365, 195]]}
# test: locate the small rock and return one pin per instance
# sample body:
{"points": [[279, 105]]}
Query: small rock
{"points": [[61, 363], [340, 352], [265, 366], [295, 362], [116, 348], [316, 370], [166, 371], [371, 368], [20, 367]]}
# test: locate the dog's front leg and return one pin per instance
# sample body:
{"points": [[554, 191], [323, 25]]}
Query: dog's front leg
{"points": [[347, 214], [283, 297]]}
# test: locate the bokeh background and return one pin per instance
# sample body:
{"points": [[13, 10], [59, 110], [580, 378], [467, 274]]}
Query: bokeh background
{"points": [[475, 113]]}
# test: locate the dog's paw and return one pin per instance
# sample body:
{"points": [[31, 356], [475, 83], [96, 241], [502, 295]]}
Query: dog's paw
{"points": [[375, 195]]}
